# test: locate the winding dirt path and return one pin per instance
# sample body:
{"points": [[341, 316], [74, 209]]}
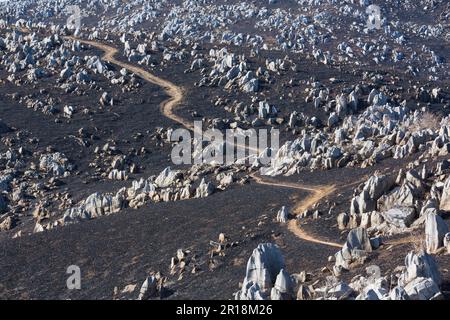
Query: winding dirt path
{"points": [[316, 193], [174, 92], [176, 95]]}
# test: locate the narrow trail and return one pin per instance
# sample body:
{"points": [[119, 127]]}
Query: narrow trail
{"points": [[316, 194], [176, 96], [174, 92]]}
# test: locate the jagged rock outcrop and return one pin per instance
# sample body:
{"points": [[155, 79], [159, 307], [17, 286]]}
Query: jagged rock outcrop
{"points": [[262, 272], [205, 189], [445, 198], [354, 250], [166, 178], [282, 215], [435, 231]]}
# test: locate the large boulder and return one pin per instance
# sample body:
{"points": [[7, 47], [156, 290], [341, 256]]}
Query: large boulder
{"points": [[166, 178], [6, 224], [423, 289], [340, 291], [54, 163], [403, 196], [355, 249], [283, 288], [376, 186], [263, 268], [149, 288], [445, 198], [420, 265], [250, 291], [282, 215], [343, 220], [435, 230], [398, 293], [447, 241], [359, 239], [116, 174], [94, 205], [401, 217]]}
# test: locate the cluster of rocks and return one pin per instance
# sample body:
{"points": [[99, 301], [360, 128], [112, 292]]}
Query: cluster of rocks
{"points": [[355, 250], [413, 200], [184, 262], [30, 59], [27, 179], [169, 185], [266, 278], [310, 31], [229, 71], [383, 130], [151, 288], [55, 164], [419, 279]]}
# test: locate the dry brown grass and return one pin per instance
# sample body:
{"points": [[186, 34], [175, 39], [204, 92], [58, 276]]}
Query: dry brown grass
{"points": [[418, 241], [428, 120]]}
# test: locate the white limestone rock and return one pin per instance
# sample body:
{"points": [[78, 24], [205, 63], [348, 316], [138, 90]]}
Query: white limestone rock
{"points": [[435, 231], [205, 189], [166, 178], [423, 289], [263, 268], [282, 215], [400, 217], [445, 198], [149, 288], [283, 288]]}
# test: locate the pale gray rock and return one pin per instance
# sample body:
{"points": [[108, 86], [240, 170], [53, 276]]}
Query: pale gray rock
{"points": [[149, 288], [283, 288], [116, 174], [343, 220], [205, 189], [447, 242], [282, 215], [251, 86], [66, 73], [398, 293], [377, 186], [403, 196], [359, 239], [422, 289], [263, 268], [435, 231], [54, 163], [251, 291], [401, 217], [355, 249], [166, 178], [340, 291], [372, 294], [445, 198], [420, 265], [6, 224], [38, 228]]}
